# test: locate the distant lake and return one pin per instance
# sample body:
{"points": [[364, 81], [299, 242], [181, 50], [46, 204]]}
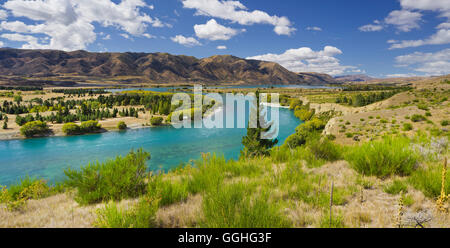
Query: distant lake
{"points": [[169, 147]]}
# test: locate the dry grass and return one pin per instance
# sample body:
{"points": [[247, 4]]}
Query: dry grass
{"points": [[59, 211], [181, 215]]}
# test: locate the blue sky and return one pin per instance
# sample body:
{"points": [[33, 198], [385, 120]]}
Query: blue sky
{"points": [[379, 38]]}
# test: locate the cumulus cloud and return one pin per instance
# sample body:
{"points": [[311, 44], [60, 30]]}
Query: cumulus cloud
{"points": [[222, 47], [69, 23], [314, 29], [21, 38], [304, 59], [3, 14], [2, 44], [442, 36], [185, 41], [410, 17], [371, 28], [437, 63], [214, 31], [236, 12], [434, 5], [404, 20]]}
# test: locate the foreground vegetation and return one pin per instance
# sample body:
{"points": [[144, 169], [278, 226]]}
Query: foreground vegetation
{"points": [[286, 187], [396, 178]]}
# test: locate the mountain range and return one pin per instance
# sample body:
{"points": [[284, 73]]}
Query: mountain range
{"points": [[154, 67]]}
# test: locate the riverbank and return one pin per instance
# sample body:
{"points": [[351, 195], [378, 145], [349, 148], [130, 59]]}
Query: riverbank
{"points": [[143, 121]]}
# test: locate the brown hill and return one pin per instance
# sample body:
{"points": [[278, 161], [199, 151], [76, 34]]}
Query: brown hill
{"points": [[155, 67]]}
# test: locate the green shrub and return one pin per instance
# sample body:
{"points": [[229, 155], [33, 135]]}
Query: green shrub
{"points": [[295, 103], [156, 121], [304, 114], [295, 140], [34, 128], [407, 127], [230, 206], [90, 126], [16, 197], [389, 156], [29, 188], [313, 125], [168, 192], [444, 123], [112, 180], [208, 173], [422, 106], [325, 149], [428, 114], [71, 128], [408, 200], [417, 118], [142, 215], [396, 187], [429, 181], [121, 125]]}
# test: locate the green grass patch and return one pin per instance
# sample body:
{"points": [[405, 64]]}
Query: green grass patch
{"points": [[383, 158], [142, 215], [116, 179], [233, 206], [429, 181], [396, 187]]}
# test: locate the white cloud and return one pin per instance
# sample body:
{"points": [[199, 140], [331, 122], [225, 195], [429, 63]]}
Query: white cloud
{"points": [[371, 28], [149, 36], [222, 47], [185, 41], [106, 37], [3, 14], [69, 23], [445, 25], [2, 44], [126, 36], [433, 5], [236, 12], [437, 63], [214, 31], [401, 75], [314, 29], [304, 59], [22, 38], [442, 36], [409, 18], [404, 20]]}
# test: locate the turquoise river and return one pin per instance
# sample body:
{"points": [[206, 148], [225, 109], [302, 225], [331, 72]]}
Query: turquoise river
{"points": [[169, 147]]}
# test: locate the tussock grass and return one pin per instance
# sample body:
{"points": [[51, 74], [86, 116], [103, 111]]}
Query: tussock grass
{"points": [[142, 215], [207, 174], [116, 179], [230, 206], [383, 158], [168, 192], [325, 149], [429, 180], [396, 187]]}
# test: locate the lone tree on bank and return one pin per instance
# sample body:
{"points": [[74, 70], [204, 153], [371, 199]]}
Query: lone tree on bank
{"points": [[254, 145]]}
